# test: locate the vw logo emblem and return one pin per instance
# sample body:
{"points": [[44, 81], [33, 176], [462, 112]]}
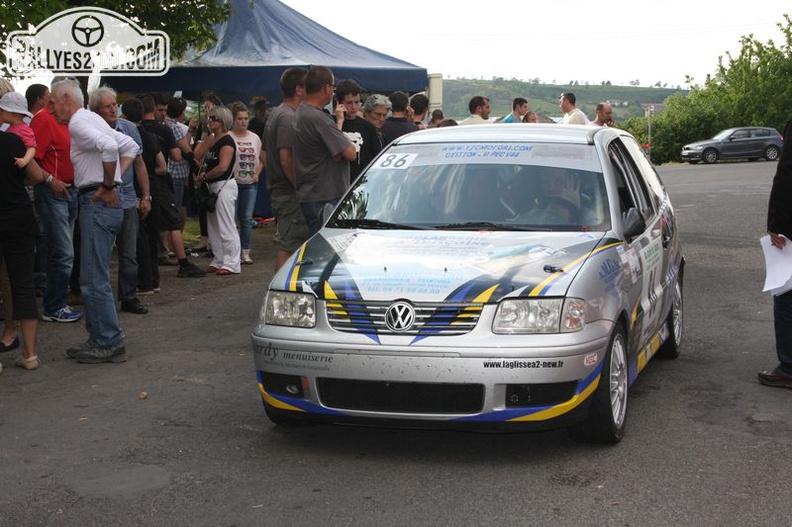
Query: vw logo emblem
{"points": [[87, 31], [400, 316]]}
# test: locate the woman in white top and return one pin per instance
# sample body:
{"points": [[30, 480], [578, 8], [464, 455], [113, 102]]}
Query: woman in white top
{"points": [[248, 164]]}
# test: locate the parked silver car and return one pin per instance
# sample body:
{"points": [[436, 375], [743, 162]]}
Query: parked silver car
{"points": [[485, 276], [751, 142]]}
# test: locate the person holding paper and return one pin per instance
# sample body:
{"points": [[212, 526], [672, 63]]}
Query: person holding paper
{"points": [[779, 227]]}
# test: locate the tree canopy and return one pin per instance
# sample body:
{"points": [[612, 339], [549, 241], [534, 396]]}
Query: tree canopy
{"points": [[751, 88]]}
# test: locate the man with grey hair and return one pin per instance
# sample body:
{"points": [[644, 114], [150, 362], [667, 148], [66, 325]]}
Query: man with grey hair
{"points": [[99, 155], [57, 207], [104, 102], [375, 111]]}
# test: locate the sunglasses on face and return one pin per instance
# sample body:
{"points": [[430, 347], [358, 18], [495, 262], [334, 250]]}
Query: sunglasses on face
{"points": [[214, 118]]}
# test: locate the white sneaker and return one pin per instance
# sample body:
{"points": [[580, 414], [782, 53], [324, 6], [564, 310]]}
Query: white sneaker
{"points": [[246, 259]]}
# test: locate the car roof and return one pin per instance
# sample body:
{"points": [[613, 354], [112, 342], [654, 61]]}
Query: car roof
{"points": [[507, 132]]}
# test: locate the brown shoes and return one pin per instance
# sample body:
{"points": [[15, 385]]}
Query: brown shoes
{"points": [[775, 378]]}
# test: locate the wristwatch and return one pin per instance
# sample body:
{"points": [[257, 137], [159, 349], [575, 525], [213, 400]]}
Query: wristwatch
{"points": [[108, 187], [146, 198], [49, 179]]}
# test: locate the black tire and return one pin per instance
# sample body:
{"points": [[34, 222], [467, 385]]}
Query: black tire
{"points": [[709, 156], [607, 416], [670, 348], [283, 417], [771, 153]]}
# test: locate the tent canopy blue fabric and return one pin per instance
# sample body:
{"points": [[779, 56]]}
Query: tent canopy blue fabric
{"points": [[259, 41]]}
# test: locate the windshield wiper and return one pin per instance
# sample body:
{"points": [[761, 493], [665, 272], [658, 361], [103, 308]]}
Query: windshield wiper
{"points": [[372, 224], [488, 225]]}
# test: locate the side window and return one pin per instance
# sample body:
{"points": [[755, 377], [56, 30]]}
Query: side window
{"points": [[760, 132], [634, 183], [739, 134], [645, 166]]}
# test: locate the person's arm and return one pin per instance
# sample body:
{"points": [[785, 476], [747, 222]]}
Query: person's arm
{"points": [[347, 154], [203, 146], [287, 164], [34, 174], [161, 167], [142, 178], [22, 162], [225, 159]]}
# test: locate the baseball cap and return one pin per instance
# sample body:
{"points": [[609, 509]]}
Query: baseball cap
{"points": [[14, 102]]}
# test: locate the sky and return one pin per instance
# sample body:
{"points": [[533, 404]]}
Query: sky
{"points": [[556, 41]]}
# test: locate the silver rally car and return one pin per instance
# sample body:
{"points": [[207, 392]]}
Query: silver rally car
{"points": [[499, 276]]}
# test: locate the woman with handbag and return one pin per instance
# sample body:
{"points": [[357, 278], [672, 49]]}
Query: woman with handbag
{"points": [[218, 150]]}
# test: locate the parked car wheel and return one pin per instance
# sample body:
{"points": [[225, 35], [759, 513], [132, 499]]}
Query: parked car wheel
{"points": [[670, 348], [710, 156], [608, 413], [771, 153]]}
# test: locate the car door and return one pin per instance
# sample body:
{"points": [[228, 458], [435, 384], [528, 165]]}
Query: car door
{"points": [[737, 144], [646, 248]]}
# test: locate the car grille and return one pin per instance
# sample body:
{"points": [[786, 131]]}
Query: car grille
{"points": [[401, 397], [431, 318]]}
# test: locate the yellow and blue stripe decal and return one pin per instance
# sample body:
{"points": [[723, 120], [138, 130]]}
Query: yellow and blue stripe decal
{"points": [[294, 404], [294, 271], [543, 286], [583, 391]]}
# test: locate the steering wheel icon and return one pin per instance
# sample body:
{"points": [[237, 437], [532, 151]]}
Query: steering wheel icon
{"points": [[87, 31]]}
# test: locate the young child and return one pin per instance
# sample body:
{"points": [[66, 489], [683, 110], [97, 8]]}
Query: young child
{"points": [[13, 110]]}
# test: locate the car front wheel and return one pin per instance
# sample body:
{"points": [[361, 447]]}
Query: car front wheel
{"points": [[771, 153], [671, 346], [710, 156], [608, 413]]}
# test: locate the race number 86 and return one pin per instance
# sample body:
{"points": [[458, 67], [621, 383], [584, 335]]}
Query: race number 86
{"points": [[397, 161]]}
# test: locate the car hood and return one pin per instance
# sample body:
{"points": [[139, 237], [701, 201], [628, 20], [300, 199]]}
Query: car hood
{"points": [[427, 266], [699, 143]]}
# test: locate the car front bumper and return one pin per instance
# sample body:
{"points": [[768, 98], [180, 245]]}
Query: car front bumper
{"points": [[533, 381]]}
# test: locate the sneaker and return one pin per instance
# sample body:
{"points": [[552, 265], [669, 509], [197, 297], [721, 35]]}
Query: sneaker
{"points": [[100, 355], [134, 306], [190, 271], [79, 348], [246, 259], [30, 364], [146, 291], [64, 314]]}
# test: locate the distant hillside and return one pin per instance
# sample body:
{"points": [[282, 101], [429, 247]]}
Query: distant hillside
{"points": [[543, 98]]}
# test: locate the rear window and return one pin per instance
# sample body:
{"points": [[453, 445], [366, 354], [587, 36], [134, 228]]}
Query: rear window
{"points": [[509, 186]]}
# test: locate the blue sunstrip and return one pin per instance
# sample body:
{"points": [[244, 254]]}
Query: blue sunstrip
{"points": [[506, 415]]}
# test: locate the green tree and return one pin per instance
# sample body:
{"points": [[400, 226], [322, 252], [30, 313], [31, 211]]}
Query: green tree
{"points": [[187, 22], [750, 88]]}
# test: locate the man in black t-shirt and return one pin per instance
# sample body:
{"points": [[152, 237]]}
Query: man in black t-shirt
{"points": [[361, 132], [398, 123]]}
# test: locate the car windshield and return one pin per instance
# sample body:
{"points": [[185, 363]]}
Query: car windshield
{"points": [[720, 136], [479, 186]]}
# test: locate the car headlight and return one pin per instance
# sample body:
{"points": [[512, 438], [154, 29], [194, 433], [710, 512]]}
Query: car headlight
{"points": [[289, 309], [540, 315], [695, 147]]}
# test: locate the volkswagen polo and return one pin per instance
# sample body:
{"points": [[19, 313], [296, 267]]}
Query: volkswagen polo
{"points": [[506, 277]]}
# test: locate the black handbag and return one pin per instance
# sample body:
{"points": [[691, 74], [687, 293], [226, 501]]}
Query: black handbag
{"points": [[205, 199]]}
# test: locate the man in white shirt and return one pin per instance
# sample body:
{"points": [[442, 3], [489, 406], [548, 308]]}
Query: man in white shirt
{"points": [[99, 155], [572, 115], [479, 111]]}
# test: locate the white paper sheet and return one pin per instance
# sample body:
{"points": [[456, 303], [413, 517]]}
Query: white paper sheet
{"points": [[779, 266]]}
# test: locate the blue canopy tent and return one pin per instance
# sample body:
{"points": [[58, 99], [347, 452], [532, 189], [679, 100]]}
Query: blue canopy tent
{"points": [[258, 42]]}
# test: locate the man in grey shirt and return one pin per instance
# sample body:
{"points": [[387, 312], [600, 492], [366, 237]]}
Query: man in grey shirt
{"points": [[321, 150]]}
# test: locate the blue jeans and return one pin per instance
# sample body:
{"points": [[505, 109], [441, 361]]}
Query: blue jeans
{"points": [[59, 215], [782, 317], [99, 225], [127, 255], [246, 201]]}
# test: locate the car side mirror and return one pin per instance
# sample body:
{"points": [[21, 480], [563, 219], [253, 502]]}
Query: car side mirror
{"points": [[634, 223]]}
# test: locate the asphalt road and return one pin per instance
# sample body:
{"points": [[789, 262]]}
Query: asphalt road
{"points": [[706, 445]]}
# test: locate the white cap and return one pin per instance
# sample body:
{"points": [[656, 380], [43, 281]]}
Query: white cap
{"points": [[14, 102]]}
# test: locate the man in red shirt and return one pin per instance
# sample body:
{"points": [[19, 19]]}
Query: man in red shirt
{"points": [[56, 205]]}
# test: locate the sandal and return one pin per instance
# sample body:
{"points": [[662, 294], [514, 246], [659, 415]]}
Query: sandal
{"points": [[29, 364], [223, 272]]}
